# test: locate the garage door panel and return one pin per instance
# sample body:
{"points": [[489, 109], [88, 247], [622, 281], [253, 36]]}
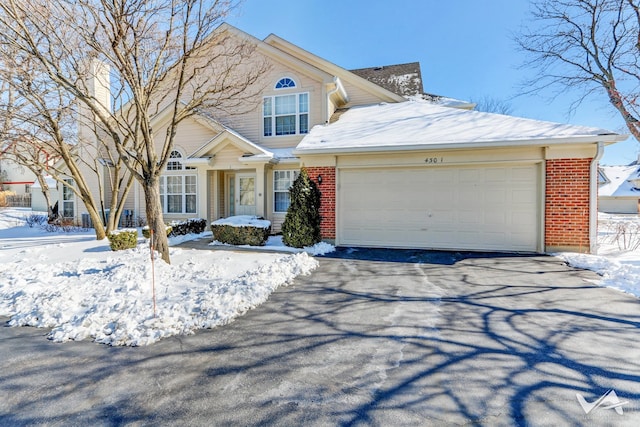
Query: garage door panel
{"points": [[476, 208]]}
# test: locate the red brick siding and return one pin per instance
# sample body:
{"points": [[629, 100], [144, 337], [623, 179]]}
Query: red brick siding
{"points": [[328, 198], [567, 203]]}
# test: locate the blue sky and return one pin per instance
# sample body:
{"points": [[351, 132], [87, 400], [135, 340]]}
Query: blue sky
{"points": [[465, 48]]}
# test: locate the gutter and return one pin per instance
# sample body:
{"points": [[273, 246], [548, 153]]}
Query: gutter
{"points": [[587, 139], [593, 199]]}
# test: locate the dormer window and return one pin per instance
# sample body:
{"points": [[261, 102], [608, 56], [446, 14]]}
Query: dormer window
{"points": [[285, 83], [285, 114]]}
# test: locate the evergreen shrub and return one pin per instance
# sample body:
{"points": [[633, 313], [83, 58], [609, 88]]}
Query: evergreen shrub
{"points": [[123, 239], [301, 227]]}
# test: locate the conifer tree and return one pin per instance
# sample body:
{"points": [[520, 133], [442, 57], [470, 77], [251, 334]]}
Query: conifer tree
{"points": [[301, 225]]}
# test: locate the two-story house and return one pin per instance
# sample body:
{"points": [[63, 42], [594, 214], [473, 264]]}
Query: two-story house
{"points": [[425, 172]]}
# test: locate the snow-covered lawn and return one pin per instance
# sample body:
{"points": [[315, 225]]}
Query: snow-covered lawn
{"points": [[77, 286]]}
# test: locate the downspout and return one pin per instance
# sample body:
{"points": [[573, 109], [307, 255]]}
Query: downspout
{"points": [[593, 199], [338, 87]]}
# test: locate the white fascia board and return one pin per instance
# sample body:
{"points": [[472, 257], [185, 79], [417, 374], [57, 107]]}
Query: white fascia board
{"points": [[257, 159], [196, 161], [607, 139]]}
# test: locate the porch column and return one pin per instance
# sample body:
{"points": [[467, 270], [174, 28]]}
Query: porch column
{"points": [[261, 188], [202, 187]]}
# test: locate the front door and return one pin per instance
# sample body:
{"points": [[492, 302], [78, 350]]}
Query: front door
{"points": [[245, 194]]}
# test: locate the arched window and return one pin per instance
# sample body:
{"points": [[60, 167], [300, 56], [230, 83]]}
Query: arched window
{"points": [[175, 161], [286, 114], [285, 83], [178, 191]]}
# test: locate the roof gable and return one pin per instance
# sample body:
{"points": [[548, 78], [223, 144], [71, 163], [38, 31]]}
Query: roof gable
{"points": [[226, 137], [331, 68]]}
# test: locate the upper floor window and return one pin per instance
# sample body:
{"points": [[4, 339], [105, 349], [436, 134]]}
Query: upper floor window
{"points": [[285, 114], [284, 83]]}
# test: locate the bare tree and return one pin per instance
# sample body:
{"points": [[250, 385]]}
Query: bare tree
{"points": [[39, 129], [490, 104], [166, 57], [587, 47]]}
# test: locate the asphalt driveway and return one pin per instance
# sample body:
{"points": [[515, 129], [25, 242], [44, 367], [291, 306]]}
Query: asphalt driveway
{"points": [[371, 338]]}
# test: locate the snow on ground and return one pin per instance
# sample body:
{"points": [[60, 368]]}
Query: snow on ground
{"points": [[618, 258], [274, 243], [76, 285]]}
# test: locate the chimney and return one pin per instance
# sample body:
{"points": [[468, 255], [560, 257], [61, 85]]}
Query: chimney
{"points": [[99, 84]]}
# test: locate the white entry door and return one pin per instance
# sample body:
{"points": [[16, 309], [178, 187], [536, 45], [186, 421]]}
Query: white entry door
{"points": [[245, 193]]}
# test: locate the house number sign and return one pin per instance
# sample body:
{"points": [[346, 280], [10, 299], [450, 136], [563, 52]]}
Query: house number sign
{"points": [[433, 160]]}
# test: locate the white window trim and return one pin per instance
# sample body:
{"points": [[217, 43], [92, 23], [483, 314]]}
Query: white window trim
{"points": [[295, 173], [164, 196], [71, 200], [295, 84], [297, 113]]}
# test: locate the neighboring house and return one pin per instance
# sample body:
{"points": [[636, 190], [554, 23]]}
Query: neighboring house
{"points": [[38, 201], [393, 172], [15, 177], [619, 189]]}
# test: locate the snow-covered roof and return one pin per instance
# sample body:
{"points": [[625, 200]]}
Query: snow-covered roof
{"points": [[418, 124], [51, 183], [619, 185]]}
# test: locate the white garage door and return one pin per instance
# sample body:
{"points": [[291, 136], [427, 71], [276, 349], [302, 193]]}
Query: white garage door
{"points": [[475, 208]]}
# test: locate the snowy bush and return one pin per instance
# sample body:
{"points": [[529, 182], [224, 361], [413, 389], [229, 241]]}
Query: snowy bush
{"points": [[36, 220], [625, 234], [301, 227], [241, 230], [123, 239], [190, 226], [66, 226]]}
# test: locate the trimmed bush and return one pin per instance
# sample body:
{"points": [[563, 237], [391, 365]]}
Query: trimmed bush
{"points": [[241, 230], [123, 239], [147, 234], [301, 226], [180, 228], [190, 226]]}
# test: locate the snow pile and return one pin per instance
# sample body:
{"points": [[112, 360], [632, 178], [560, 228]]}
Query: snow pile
{"points": [[618, 265], [274, 243], [243, 221], [615, 274], [80, 288]]}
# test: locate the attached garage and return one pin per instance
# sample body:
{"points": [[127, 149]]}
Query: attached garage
{"points": [[418, 175], [489, 207]]}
